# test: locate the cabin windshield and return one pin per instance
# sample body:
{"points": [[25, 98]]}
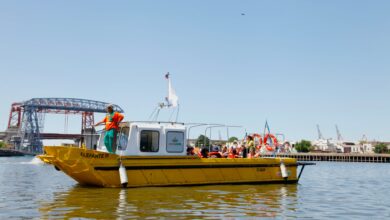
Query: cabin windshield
{"points": [[100, 144], [121, 138]]}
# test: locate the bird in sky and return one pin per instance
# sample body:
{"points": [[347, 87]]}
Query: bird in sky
{"points": [[242, 14]]}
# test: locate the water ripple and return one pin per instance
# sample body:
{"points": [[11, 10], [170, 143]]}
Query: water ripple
{"points": [[326, 191]]}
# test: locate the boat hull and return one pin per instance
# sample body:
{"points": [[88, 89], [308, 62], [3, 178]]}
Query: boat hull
{"points": [[94, 168]]}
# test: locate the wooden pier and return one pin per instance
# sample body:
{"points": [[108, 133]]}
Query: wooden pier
{"points": [[336, 157]]}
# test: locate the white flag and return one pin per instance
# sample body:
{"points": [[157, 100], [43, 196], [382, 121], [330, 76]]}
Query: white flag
{"points": [[172, 98]]}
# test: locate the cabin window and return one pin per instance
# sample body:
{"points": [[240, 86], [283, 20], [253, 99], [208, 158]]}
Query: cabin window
{"points": [[175, 141], [149, 141]]}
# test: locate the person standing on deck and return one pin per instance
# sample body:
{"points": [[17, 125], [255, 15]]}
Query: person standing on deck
{"points": [[111, 121], [250, 143]]}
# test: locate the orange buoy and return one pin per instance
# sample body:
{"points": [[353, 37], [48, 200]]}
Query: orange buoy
{"points": [[258, 136], [274, 141]]}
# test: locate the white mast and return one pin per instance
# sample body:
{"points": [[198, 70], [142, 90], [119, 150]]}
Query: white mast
{"points": [[171, 101]]}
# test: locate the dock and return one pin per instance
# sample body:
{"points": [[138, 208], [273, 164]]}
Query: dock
{"points": [[10, 153], [335, 157]]}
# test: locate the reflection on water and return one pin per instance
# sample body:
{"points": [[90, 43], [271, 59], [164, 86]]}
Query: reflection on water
{"points": [[205, 201], [328, 190]]}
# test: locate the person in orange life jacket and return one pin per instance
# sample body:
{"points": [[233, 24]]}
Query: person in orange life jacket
{"points": [[215, 152], [232, 153], [111, 121]]}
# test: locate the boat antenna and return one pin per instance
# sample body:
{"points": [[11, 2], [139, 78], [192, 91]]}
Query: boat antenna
{"points": [[156, 112], [153, 113], [176, 110], [177, 113]]}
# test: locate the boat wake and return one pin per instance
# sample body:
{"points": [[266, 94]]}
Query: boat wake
{"points": [[34, 161]]}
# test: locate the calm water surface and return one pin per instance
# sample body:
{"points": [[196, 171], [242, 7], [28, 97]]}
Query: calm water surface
{"points": [[327, 190]]}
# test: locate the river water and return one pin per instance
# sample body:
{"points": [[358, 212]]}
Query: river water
{"points": [[329, 190]]}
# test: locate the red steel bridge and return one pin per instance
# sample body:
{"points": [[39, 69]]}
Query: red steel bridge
{"points": [[26, 120]]}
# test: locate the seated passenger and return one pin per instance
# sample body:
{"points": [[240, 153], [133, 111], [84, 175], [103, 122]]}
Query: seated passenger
{"points": [[235, 145], [215, 153], [204, 153], [190, 151], [225, 152], [244, 151], [277, 148], [238, 151], [252, 153], [287, 147], [232, 153]]}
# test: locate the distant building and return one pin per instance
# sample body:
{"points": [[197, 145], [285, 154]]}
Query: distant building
{"points": [[367, 148], [329, 145], [326, 146]]}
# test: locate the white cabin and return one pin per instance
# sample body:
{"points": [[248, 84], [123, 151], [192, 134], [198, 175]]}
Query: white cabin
{"points": [[149, 139]]}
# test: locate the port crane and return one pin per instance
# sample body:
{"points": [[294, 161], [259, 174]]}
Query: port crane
{"points": [[339, 137], [320, 137]]}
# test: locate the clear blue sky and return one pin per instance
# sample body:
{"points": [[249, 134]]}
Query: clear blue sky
{"points": [[295, 63]]}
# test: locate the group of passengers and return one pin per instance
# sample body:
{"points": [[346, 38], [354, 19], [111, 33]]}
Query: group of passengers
{"points": [[245, 150]]}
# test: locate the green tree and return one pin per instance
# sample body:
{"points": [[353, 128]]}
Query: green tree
{"points": [[202, 140], [381, 148], [2, 144], [303, 146], [232, 139]]}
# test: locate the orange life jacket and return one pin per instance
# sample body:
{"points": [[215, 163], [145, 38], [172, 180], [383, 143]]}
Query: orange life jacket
{"points": [[231, 155], [112, 121]]}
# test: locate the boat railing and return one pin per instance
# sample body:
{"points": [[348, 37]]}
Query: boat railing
{"points": [[158, 122], [210, 127]]}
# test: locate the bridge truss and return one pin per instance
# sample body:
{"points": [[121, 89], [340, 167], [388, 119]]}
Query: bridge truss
{"points": [[28, 118]]}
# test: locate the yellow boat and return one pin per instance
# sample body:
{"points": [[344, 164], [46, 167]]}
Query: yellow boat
{"points": [[154, 154]]}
